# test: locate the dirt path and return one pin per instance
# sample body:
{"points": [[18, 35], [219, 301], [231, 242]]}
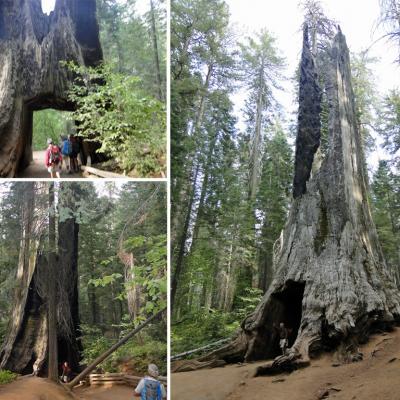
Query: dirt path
{"points": [[29, 388], [117, 392], [376, 377], [37, 169]]}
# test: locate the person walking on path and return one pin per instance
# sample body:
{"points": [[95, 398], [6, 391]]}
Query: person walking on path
{"points": [[150, 388], [53, 159], [66, 150], [75, 150]]}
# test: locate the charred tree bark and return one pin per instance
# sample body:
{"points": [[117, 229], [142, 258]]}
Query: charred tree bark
{"points": [[32, 45], [69, 333], [331, 287], [51, 291], [26, 347], [309, 123]]}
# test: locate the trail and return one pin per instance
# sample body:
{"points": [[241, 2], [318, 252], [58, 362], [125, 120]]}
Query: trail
{"points": [[37, 169], [376, 377], [30, 388]]}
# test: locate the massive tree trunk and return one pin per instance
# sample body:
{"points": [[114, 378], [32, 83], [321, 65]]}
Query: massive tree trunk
{"points": [[51, 298], [32, 45], [26, 347], [331, 287], [69, 333]]}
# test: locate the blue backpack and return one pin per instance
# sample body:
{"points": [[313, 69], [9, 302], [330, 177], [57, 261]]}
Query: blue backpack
{"points": [[67, 147], [151, 390]]}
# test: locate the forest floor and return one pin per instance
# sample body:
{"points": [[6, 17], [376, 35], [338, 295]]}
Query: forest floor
{"points": [[376, 377], [29, 388], [37, 169]]}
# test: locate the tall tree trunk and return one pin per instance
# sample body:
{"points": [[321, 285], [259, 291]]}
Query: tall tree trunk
{"points": [[255, 152], [332, 286], [26, 349], [32, 45], [68, 331], [182, 241], [155, 49], [184, 191], [51, 291]]}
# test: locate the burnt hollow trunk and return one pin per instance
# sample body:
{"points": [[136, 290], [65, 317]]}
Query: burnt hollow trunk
{"points": [[32, 45], [25, 349], [332, 287]]}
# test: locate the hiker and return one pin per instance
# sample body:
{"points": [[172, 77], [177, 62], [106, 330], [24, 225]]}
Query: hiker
{"points": [[66, 372], [283, 337], [66, 150], [53, 159], [75, 150], [149, 388]]}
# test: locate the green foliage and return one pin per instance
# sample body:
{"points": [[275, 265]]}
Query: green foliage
{"points": [[386, 212], [7, 376], [113, 109], [196, 330], [105, 280], [49, 124], [138, 353], [246, 303], [127, 41], [150, 270], [389, 124]]}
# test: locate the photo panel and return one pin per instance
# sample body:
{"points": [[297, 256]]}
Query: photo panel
{"points": [[83, 288], [83, 89]]}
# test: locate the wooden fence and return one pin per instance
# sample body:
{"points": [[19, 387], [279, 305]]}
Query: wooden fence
{"points": [[110, 379]]}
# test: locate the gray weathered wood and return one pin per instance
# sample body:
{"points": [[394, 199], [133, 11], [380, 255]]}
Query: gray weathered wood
{"points": [[331, 287]]}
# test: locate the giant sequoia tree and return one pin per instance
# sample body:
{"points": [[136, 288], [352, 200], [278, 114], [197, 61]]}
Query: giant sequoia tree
{"points": [[32, 45], [46, 277], [331, 285]]}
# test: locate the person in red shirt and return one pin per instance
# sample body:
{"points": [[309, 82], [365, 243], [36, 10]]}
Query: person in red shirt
{"points": [[53, 159], [66, 372]]}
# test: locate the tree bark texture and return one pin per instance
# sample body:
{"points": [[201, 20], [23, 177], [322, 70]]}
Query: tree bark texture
{"points": [[331, 286], [32, 45], [52, 291]]}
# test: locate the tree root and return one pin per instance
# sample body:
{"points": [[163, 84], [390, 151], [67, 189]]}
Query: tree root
{"points": [[282, 364]]}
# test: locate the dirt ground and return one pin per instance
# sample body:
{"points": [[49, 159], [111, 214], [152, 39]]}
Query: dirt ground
{"points": [[37, 169], [377, 377], [29, 388]]}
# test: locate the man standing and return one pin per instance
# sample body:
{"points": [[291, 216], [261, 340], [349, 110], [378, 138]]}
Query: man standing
{"points": [[150, 388], [283, 338]]}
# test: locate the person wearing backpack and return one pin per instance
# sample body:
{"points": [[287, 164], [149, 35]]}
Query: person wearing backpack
{"points": [[66, 150], [150, 388], [75, 150], [53, 159]]}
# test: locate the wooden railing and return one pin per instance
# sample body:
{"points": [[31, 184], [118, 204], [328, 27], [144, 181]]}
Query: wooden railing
{"points": [[110, 379]]}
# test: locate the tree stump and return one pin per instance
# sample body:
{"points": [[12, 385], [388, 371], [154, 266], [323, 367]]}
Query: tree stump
{"points": [[331, 287], [32, 45]]}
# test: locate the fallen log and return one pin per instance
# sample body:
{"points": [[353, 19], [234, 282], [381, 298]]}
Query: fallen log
{"points": [[206, 347], [100, 173], [111, 350]]}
